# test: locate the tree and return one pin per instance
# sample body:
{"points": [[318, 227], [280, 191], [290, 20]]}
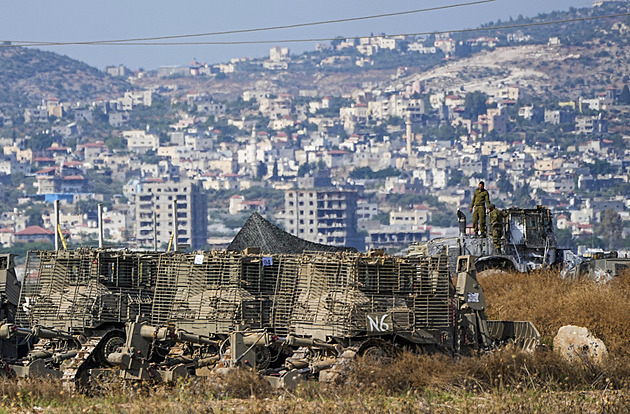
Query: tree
{"points": [[261, 170], [306, 169], [522, 197], [475, 103], [505, 186], [34, 215], [116, 142], [601, 167], [40, 142], [382, 217], [337, 41], [610, 229], [443, 218], [368, 173], [564, 239], [624, 98], [456, 178], [90, 206]]}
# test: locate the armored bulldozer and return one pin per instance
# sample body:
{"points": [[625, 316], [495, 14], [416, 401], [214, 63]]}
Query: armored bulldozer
{"points": [[528, 242], [11, 349], [292, 316], [76, 303], [601, 266]]}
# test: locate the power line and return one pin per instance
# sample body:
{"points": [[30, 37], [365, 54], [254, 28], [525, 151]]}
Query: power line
{"points": [[260, 29], [244, 42]]}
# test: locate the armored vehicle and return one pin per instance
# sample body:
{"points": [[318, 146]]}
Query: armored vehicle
{"points": [[10, 348], [601, 266], [528, 242], [289, 316], [78, 302]]}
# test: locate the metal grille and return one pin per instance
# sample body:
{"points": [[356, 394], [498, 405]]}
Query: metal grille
{"points": [[336, 292], [316, 294], [215, 292], [432, 305], [284, 294], [202, 292], [85, 288]]}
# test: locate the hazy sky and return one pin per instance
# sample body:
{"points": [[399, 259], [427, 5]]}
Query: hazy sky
{"points": [[81, 20]]}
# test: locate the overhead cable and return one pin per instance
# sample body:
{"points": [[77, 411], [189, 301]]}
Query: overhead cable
{"points": [[322, 39], [260, 29]]}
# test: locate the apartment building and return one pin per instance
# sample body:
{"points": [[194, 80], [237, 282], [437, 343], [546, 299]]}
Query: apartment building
{"points": [[192, 215], [327, 216]]}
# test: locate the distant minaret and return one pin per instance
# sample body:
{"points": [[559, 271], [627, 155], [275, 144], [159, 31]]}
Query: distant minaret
{"points": [[409, 133]]}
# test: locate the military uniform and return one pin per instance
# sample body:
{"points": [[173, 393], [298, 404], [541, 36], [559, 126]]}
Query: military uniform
{"points": [[496, 218], [480, 199]]}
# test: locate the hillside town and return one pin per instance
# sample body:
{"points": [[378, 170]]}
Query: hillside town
{"points": [[383, 166]]}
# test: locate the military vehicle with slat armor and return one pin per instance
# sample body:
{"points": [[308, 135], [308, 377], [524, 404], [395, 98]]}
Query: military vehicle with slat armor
{"points": [[77, 302], [289, 316]]}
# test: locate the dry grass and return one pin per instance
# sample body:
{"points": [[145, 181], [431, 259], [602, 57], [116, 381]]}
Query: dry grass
{"points": [[503, 381], [550, 303]]}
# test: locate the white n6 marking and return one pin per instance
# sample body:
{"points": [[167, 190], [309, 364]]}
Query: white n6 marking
{"points": [[378, 325]]}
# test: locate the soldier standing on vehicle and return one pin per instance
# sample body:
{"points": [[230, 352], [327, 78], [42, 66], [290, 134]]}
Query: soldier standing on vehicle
{"points": [[480, 199], [496, 217]]}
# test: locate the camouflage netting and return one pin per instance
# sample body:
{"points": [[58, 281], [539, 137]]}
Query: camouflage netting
{"points": [[258, 232]]}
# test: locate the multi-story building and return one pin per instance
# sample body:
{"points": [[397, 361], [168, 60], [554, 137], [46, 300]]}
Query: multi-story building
{"points": [[591, 124], [327, 216], [61, 179], [139, 141], [158, 195], [413, 218]]}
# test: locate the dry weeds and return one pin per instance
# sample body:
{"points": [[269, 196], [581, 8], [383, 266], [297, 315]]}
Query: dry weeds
{"points": [[550, 303]]}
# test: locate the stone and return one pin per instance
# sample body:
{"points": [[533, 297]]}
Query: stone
{"points": [[577, 344]]}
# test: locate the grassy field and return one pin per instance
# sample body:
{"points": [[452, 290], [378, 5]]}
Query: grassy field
{"points": [[502, 381]]}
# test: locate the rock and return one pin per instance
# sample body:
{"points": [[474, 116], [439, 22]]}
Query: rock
{"points": [[577, 344], [329, 376]]}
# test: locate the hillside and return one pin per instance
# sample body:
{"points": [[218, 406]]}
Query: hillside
{"points": [[587, 57], [590, 55], [29, 75], [541, 70], [546, 71]]}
